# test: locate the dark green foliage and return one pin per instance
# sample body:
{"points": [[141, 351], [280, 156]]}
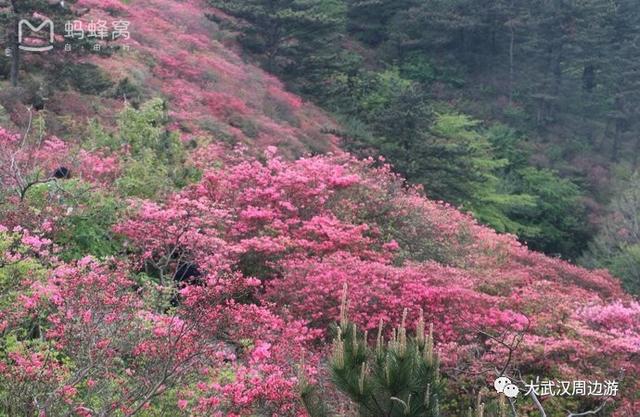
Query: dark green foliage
{"points": [[626, 266], [127, 90], [571, 64], [292, 37], [617, 245], [84, 77], [368, 19], [554, 220], [486, 171], [397, 117], [399, 377], [557, 222], [246, 125]]}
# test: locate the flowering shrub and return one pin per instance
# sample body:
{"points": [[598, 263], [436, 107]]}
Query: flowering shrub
{"points": [[24, 163], [224, 105], [305, 228], [199, 75], [273, 242], [81, 339], [288, 99]]}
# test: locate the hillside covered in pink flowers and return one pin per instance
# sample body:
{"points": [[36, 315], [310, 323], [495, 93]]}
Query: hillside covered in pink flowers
{"points": [[184, 251]]}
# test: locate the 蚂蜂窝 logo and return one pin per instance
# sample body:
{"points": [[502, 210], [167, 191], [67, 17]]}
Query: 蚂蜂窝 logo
{"points": [[46, 23]]}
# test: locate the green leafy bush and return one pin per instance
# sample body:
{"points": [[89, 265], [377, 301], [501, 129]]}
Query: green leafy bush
{"points": [[156, 159]]}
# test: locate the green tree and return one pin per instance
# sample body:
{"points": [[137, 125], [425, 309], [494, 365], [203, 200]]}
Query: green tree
{"points": [[156, 160], [557, 221], [398, 377], [572, 64], [455, 159], [620, 78], [289, 34], [368, 20], [441, 151], [468, 32], [617, 244]]}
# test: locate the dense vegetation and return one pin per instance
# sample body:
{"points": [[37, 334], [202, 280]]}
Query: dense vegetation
{"points": [[182, 236], [205, 298], [533, 77]]}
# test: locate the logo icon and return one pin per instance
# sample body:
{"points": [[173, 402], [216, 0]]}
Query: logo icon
{"points": [[35, 48], [504, 385]]}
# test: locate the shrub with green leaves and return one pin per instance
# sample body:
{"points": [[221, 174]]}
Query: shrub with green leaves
{"points": [[88, 229], [155, 162]]}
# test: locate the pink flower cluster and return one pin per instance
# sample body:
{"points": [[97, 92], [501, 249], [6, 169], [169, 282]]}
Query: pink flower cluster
{"points": [[275, 241]]}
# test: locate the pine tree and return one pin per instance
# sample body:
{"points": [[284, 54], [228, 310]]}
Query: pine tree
{"points": [[399, 377], [369, 20], [617, 245], [620, 74], [288, 34], [470, 31]]}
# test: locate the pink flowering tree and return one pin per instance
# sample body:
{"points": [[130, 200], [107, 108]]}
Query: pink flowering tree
{"points": [[295, 232], [273, 243], [82, 340]]}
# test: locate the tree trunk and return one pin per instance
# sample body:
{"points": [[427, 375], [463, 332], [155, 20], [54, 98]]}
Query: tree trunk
{"points": [[557, 73], [512, 43], [635, 153], [620, 125], [616, 141], [557, 84], [14, 45], [512, 37], [15, 63]]}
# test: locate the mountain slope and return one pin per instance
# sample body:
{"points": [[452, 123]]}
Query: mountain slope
{"points": [[92, 268], [177, 53]]}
